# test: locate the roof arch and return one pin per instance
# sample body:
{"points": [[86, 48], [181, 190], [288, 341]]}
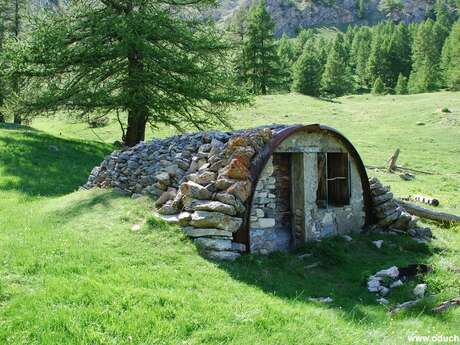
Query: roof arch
{"points": [[259, 162]]}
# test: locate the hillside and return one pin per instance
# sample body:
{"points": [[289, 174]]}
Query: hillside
{"points": [[75, 272], [292, 15]]}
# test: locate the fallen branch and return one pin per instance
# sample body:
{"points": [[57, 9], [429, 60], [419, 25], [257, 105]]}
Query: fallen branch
{"points": [[446, 305], [415, 170], [427, 213]]}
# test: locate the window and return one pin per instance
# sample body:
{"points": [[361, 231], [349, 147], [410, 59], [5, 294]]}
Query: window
{"points": [[333, 179]]}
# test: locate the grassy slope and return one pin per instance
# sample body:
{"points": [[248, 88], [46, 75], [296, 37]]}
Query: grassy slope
{"points": [[73, 272]]}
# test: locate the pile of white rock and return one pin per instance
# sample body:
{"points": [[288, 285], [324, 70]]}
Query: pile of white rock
{"points": [[385, 280], [201, 181], [390, 216]]}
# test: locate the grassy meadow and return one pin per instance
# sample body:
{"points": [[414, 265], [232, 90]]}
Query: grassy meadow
{"points": [[74, 272]]}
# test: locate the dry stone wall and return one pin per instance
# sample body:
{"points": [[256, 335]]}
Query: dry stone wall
{"points": [[201, 181], [390, 216]]}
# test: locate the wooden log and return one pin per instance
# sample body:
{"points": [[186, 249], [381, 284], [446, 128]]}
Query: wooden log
{"points": [[426, 200], [427, 213], [446, 305], [392, 161]]}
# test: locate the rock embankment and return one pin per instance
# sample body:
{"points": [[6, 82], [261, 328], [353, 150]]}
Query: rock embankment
{"points": [[201, 181], [390, 216]]}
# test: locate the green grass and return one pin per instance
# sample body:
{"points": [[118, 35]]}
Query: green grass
{"points": [[73, 272]]}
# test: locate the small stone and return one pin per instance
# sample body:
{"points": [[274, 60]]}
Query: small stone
{"points": [[378, 243], [238, 247], [163, 178], [391, 272], [321, 299], [214, 244], [373, 285], [384, 291], [136, 227], [265, 223], [205, 219], [199, 232], [222, 255], [419, 290], [203, 178], [195, 191], [236, 169], [241, 189], [136, 195], [168, 209], [396, 284], [184, 218], [214, 206], [347, 238], [382, 300]]}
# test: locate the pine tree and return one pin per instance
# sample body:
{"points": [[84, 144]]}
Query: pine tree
{"points": [[399, 52], [286, 56], [304, 36], [401, 85], [443, 23], [379, 87], [260, 50], [133, 57], [307, 72], [379, 65], [359, 55], [451, 58], [425, 74], [336, 79]]}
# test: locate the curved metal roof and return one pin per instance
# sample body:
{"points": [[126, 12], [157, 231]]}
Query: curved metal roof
{"points": [[259, 162]]}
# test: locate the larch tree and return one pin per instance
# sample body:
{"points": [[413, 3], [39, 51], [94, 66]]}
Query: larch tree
{"points": [[286, 56], [260, 50], [336, 80], [307, 72], [425, 56], [401, 85], [147, 59], [451, 58]]}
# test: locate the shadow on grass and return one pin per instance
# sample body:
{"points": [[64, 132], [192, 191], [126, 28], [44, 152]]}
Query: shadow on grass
{"points": [[334, 268], [37, 164]]}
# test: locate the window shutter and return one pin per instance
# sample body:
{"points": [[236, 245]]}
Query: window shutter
{"points": [[338, 179], [321, 193]]}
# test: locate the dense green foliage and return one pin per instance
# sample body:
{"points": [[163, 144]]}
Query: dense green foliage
{"points": [[259, 62], [353, 61], [135, 57]]}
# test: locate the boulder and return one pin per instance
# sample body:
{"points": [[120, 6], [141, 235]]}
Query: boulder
{"points": [[236, 169], [213, 206], [194, 190], [213, 243], [223, 183], [241, 190], [170, 194], [203, 232], [205, 219], [163, 178], [168, 209], [202, 178], [222, 255]]}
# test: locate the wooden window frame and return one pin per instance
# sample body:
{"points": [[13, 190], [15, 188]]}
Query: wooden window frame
{"points": [[323, 199]]}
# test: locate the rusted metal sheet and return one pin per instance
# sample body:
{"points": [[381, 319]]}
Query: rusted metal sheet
{"points": [[259, 162]]}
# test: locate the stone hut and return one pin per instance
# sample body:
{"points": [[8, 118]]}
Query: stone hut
{"points": [[257, 190]]}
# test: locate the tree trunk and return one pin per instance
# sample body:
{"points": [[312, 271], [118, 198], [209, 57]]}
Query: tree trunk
{"points": [[137, 110], [17, 119], [135, 132], [428, 214]]}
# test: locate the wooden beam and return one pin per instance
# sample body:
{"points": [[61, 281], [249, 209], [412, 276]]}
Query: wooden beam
{"points": [[427, 213]]}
